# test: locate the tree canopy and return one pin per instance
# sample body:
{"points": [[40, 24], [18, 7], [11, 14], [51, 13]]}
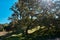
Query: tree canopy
{"points": [[38, 17]]}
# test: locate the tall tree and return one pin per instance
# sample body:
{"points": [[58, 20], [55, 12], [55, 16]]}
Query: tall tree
{"points": [[26, 10]]}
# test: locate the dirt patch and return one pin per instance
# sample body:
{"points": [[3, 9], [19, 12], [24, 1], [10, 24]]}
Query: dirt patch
{"points": [[3, 33]]}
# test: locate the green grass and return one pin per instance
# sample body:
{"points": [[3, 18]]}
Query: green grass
{"points": [[12, 38]]}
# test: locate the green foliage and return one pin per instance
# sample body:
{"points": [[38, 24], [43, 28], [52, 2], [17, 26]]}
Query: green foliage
{"points": [[27, 16], [12, 38]]}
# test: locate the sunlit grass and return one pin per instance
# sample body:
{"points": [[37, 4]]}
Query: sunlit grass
{"points": [[35, 29]]}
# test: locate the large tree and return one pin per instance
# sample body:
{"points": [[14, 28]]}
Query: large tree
{"points": [[33, 13]]}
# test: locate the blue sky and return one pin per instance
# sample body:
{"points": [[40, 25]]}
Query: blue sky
{"points": [[5, 12]]}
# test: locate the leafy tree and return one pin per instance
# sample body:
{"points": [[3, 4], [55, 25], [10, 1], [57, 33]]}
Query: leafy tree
{"points": [[29, 14]]}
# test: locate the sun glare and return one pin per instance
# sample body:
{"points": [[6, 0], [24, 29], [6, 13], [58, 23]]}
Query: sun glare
{"points": [[47, 0], [46, 3]]}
